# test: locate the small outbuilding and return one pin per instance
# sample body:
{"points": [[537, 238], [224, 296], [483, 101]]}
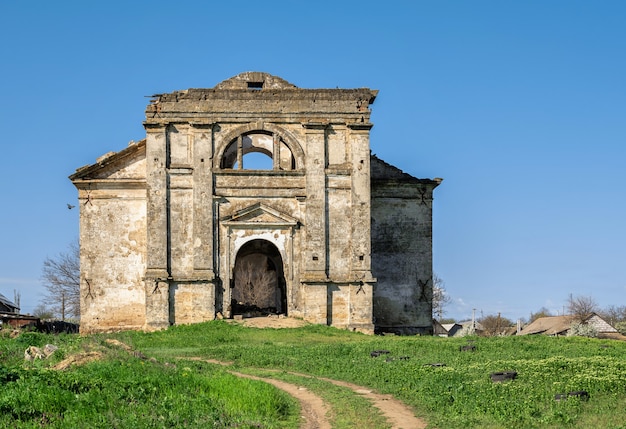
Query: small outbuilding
{"points": [[446, 329], [7, 306]]}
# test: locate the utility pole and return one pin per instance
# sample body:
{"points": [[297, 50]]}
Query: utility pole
{"points": [[17, 298], [63, 306], [498, 324]]}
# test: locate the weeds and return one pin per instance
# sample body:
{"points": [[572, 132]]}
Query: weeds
{"points": [[125, 391], [458, 394]]}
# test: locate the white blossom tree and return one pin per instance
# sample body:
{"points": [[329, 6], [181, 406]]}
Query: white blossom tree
{"points": [[440, 297]]}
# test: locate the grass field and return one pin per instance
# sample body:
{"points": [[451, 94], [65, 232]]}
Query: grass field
{"points": [[123, 390]]}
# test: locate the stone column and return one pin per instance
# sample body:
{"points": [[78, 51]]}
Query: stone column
{"points": [[240, 153], [276, 152]]}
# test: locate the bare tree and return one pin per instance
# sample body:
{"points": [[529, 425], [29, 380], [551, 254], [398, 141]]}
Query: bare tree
{"points": [[43, 312], [614, 314], [495, 325], [440, 297], [542, 312], [255, 284], [61, 278], [581, 307]]}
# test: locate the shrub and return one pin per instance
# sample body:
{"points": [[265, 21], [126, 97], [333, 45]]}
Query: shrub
{"points": [[582, 330]]}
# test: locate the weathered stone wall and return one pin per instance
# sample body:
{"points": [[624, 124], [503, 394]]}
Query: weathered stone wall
{"points": [[191, 302], [402, 257], [112, 240]]}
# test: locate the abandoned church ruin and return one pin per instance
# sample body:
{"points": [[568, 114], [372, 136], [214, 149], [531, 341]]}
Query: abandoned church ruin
{"points": [[255, 195]]}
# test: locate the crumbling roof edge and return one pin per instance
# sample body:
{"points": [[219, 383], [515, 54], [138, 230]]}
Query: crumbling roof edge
{"points": [[107, 159], [405, 177]]}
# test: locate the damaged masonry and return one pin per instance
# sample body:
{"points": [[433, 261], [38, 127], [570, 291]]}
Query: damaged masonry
{"points": [[255, 194]]}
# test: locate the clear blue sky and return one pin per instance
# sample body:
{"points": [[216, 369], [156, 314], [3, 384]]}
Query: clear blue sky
{"points": [[519, 105]]}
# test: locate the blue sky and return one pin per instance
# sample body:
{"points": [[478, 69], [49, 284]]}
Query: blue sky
{"points": [[519, 106]]}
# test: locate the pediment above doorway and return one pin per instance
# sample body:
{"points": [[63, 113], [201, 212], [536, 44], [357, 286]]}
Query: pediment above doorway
{"points": [[259, 215]]}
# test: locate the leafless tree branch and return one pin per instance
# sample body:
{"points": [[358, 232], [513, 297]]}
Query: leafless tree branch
{"points": [[61, 278]]}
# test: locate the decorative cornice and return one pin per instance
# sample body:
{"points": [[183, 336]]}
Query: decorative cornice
{"points": [[360, 126], [315, 125]]}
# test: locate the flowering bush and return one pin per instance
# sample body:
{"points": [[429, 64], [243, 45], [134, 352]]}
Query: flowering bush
{"points": [[582, 330]]}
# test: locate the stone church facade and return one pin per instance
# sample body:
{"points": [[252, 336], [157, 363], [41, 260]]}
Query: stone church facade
{"points": [[255, 195]]}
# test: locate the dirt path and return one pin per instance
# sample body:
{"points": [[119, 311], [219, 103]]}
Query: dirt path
{"points": [[399, 415], [396, 412], [313, 407]]}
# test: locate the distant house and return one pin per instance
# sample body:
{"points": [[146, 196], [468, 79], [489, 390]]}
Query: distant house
{"points": [[466, 326], [9, 314], [445, 329], [560, 325], [456, 329], [7, 306], [452, 329]]}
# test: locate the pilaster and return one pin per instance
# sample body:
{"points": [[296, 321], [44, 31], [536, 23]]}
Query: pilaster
{"points": [[358, 141], [203, 215], [315, 255], [157, 202]]}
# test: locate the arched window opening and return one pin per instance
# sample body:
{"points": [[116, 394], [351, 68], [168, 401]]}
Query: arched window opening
{"points": [[246, 153], [256, 161]]}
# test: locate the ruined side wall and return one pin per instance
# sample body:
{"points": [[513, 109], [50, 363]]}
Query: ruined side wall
{"points": [[402, 257], [112, 258]]}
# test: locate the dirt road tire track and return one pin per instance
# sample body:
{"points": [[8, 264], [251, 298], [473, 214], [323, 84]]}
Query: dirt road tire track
{"points": [[396, 412], [313, 407]]}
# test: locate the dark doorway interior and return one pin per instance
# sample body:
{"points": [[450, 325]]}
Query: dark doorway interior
{"points": [[258, 280]]}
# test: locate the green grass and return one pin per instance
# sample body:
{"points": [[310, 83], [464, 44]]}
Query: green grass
{"points": [[122, 391], [131, 392], [456, 395]]}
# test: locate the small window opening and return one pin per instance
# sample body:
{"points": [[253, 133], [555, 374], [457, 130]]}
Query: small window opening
{"points": [[315, 258], [361, 257], [255, 85]]}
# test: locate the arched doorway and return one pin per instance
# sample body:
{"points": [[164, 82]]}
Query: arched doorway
{"points": [[258, 280]]}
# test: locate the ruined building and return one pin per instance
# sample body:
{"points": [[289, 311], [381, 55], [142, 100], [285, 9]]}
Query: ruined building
{"points": [[255, 195]]}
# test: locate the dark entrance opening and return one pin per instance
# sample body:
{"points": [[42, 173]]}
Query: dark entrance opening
{"points": [[259, 286]]}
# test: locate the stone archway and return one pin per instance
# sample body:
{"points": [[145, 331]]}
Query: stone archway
{"points": [[258, 280]]}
